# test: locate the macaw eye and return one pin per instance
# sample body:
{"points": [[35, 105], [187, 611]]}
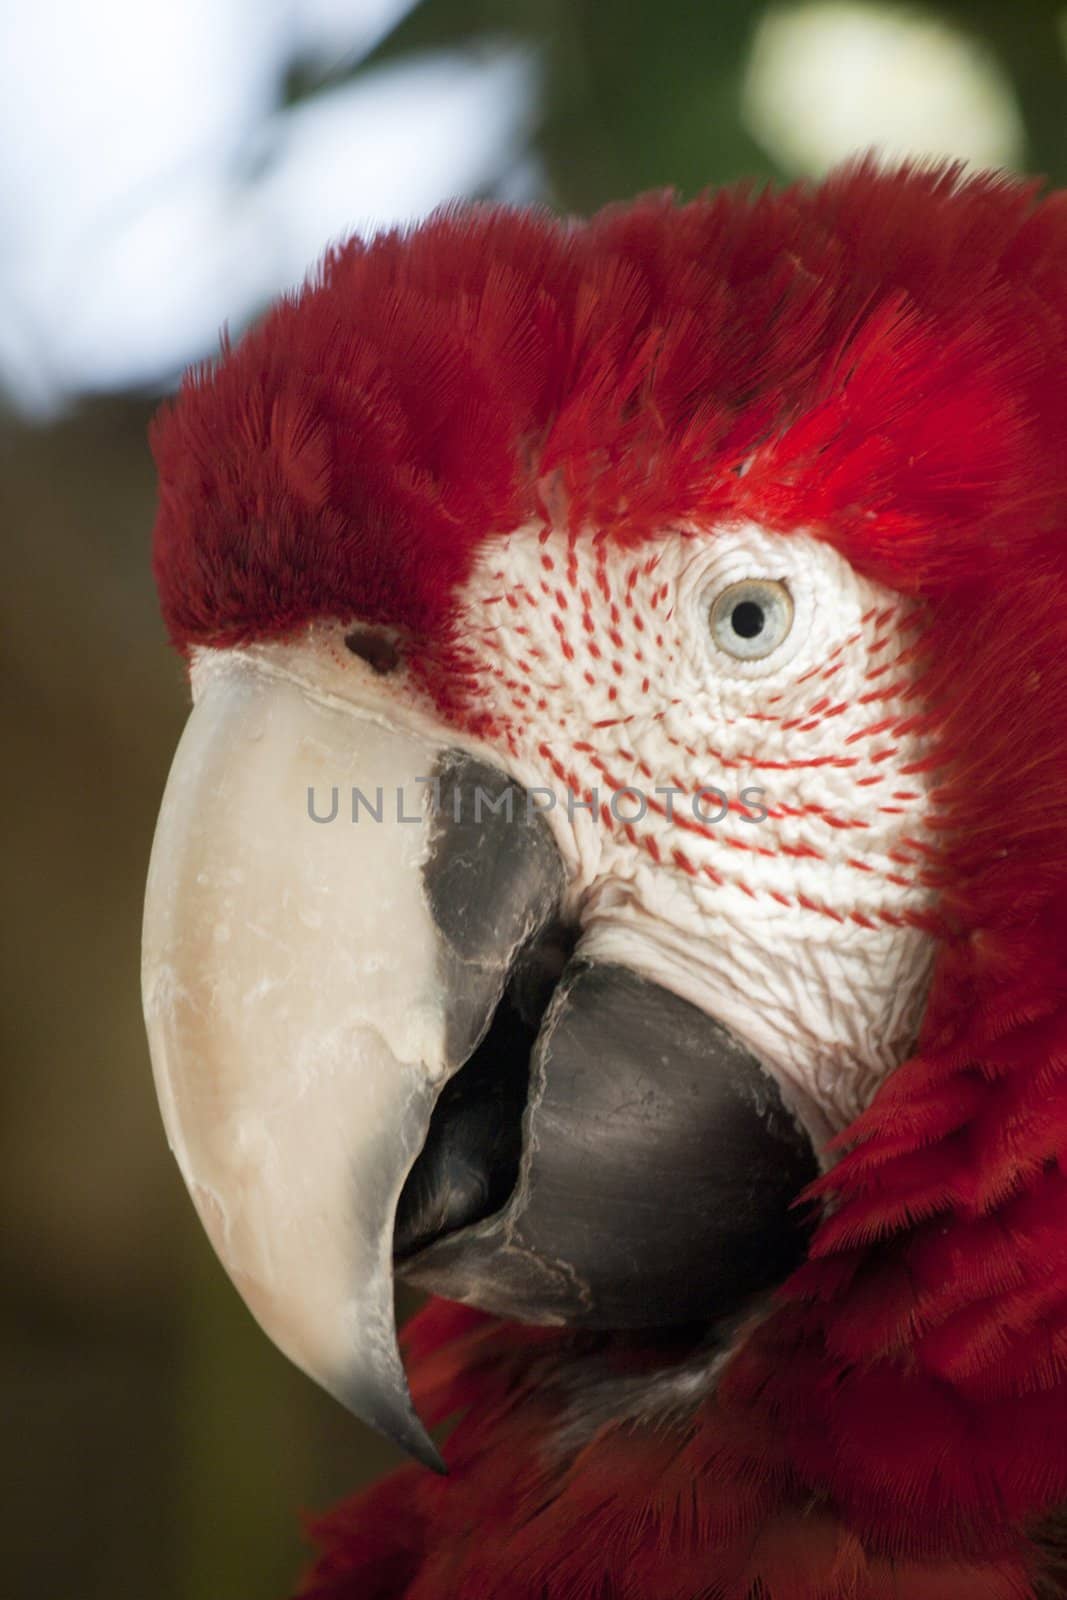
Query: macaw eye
{"points": [[751, 618]]}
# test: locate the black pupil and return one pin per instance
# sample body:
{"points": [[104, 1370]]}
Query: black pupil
{"points": [[747, 619]]}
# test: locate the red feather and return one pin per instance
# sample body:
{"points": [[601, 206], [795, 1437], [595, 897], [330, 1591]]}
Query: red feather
{"points": [[880, 359]]}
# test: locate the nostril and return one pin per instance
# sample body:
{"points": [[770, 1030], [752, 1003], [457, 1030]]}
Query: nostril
{"points": [[377, 649]]}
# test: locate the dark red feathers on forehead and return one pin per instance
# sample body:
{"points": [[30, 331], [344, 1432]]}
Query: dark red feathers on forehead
{"points": [[879, 358]]}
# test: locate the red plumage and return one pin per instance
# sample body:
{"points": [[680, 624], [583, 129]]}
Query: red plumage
{"points": [[880, 359], [884, 352]]}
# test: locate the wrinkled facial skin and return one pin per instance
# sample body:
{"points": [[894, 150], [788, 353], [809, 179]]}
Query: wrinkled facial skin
{"points": [[721, 979], [807, 932], [593, 669]]}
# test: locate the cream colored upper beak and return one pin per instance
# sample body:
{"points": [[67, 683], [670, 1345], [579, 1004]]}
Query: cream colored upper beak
{"points": [[295, 1012]]}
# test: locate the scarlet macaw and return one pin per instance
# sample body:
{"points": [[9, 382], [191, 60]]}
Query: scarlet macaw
{"points": [[616, 871]]}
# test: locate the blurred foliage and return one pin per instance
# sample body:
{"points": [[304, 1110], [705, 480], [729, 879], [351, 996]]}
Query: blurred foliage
{"points": [[1029, 39], [647, 94], [636, 96], [159, 1445]]}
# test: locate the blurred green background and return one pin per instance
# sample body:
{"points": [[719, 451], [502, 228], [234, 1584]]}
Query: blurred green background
{"points": [[164, 170]]}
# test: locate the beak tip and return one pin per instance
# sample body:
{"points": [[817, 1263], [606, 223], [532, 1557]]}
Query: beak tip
{"points": [[412, 1438], [389, 1411]]}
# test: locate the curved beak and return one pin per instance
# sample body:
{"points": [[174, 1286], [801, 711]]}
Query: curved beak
{"points": [[373, 1046], [304, 1010]]}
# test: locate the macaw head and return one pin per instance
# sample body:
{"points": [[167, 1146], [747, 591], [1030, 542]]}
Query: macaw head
{"points": [[617, 859]]}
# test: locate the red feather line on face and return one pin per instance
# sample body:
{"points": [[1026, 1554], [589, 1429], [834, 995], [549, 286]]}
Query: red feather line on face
{"points": [[885, 357]]}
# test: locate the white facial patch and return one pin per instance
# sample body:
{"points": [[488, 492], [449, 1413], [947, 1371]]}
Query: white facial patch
{"points": [[734, 780]]}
